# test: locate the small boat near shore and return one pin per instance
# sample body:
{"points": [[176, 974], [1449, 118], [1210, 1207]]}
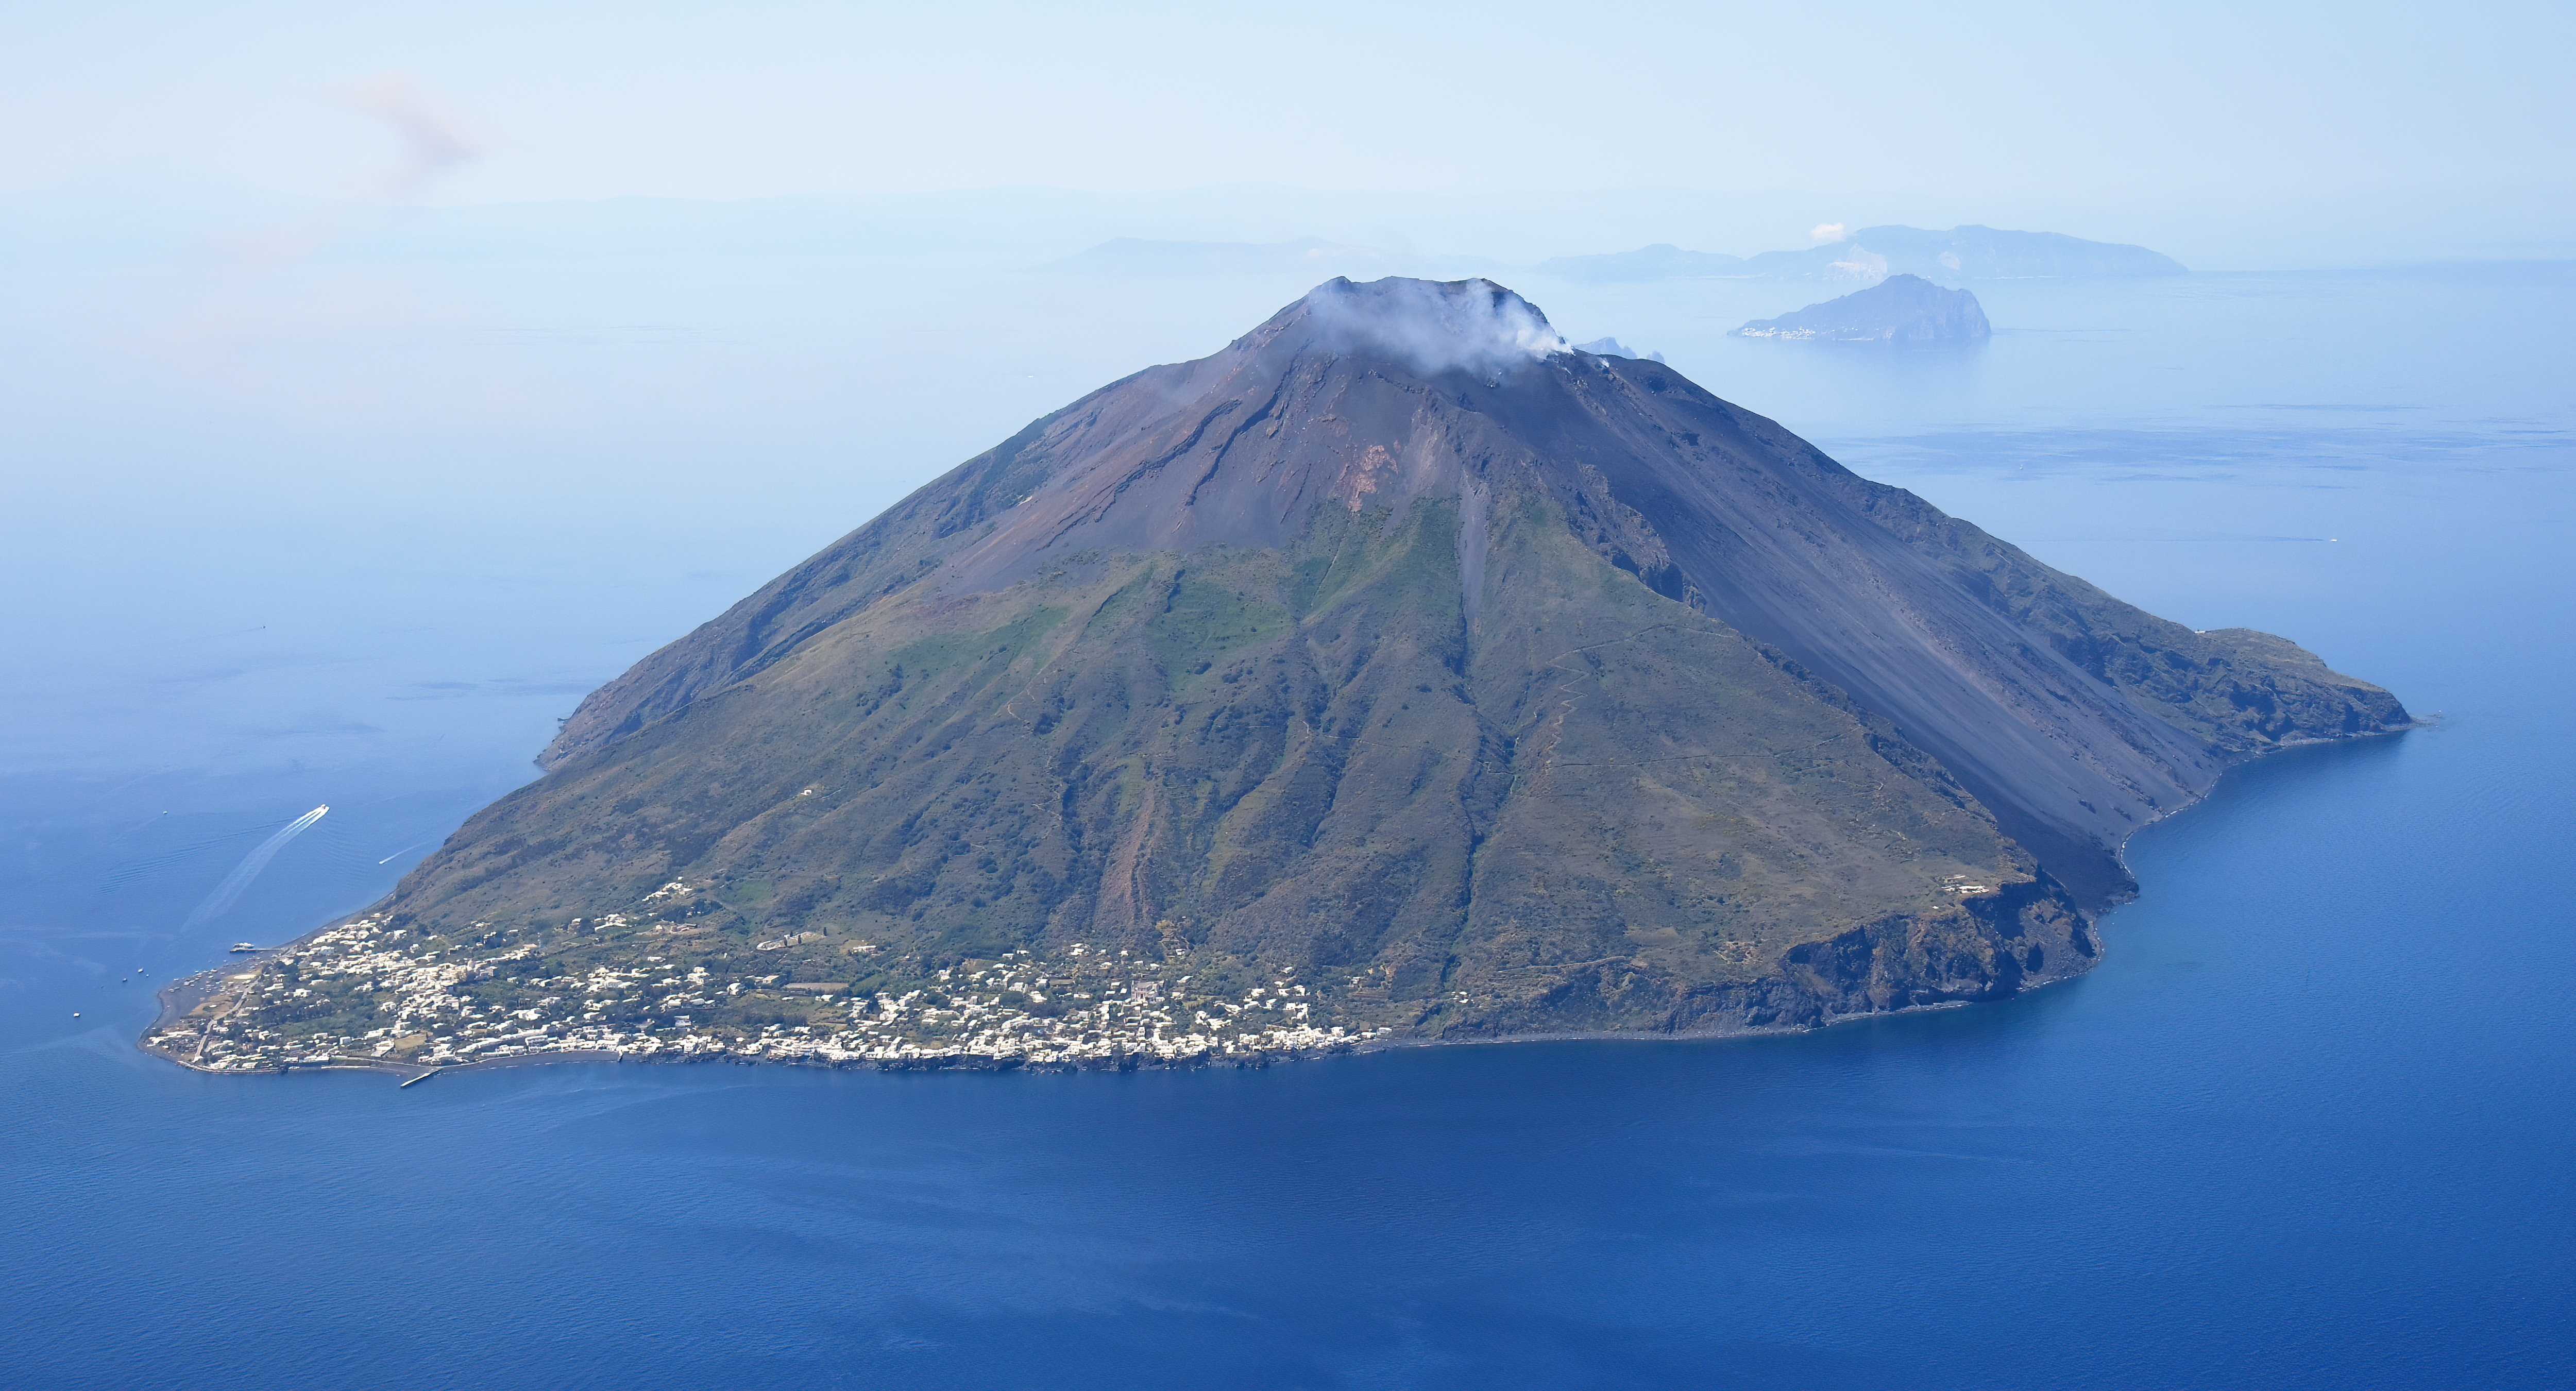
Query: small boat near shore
{"points": [[243, 946]]}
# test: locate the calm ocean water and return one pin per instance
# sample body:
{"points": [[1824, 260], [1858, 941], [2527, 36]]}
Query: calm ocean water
{"points": [[2311, 1124]]}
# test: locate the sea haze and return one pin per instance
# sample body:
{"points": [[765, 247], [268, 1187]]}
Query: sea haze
{"points": [[361, 537]]}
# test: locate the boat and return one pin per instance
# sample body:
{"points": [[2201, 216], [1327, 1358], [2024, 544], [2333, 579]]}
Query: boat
{"points": [[245, 946]]}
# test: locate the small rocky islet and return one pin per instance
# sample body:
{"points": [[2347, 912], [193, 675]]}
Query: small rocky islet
{"points": [[1903, 309], [1397, 674]]}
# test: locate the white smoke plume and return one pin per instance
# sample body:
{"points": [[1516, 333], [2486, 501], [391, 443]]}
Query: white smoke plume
{"points": [[1826, 233], [1434, 326], [1862, 264], [434, 140], [252, 863]]}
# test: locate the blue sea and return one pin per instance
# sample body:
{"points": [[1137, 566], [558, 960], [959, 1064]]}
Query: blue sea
{"points": [[359, 535]]}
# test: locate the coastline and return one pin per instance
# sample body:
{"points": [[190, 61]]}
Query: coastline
{"points": [[181, 998], [2120, 852], [1128, 1062], [1121, 1061]]}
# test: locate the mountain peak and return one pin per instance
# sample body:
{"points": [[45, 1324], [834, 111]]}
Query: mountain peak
{"points": [[1430, 326], [1366, 399], [1395, 672]]}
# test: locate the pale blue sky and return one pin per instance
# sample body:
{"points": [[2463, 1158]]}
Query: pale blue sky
{"points": [[237, 407], [2439, 117]]}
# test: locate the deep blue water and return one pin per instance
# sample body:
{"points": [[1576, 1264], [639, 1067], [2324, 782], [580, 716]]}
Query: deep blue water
{"points": [[2311, 1124]]}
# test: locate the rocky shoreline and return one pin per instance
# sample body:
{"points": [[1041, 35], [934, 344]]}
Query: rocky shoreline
{"points": [[1861, 973], [1114, 1012]]}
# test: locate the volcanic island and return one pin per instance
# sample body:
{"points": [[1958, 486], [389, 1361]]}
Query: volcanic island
{"points": [[1900, 309], [1397, 674]]}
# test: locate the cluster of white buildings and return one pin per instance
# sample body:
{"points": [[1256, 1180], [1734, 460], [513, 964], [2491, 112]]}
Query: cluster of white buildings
{"points": [[392, 995]]}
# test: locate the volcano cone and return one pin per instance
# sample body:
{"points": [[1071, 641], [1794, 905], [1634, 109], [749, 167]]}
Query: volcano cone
{"points": [[1396, 671]]}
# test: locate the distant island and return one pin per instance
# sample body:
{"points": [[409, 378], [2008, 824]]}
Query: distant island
{"points": [[1959, 254], [1662, 261], [1400, 673], [1956, 256], [1304, 257], [1900, 309], [1612, 347]]}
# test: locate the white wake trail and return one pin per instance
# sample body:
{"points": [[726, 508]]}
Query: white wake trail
{"points": [[252, 863]]}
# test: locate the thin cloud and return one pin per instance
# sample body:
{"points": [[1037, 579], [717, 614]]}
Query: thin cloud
{"points": [[435, 140]]}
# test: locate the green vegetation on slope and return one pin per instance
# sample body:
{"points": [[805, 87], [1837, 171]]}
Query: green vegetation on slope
{"points": [[1595, 808]]}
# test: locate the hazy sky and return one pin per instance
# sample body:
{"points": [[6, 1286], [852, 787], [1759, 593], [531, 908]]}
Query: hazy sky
{"points": [[2456, 113], [532, 441]]}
